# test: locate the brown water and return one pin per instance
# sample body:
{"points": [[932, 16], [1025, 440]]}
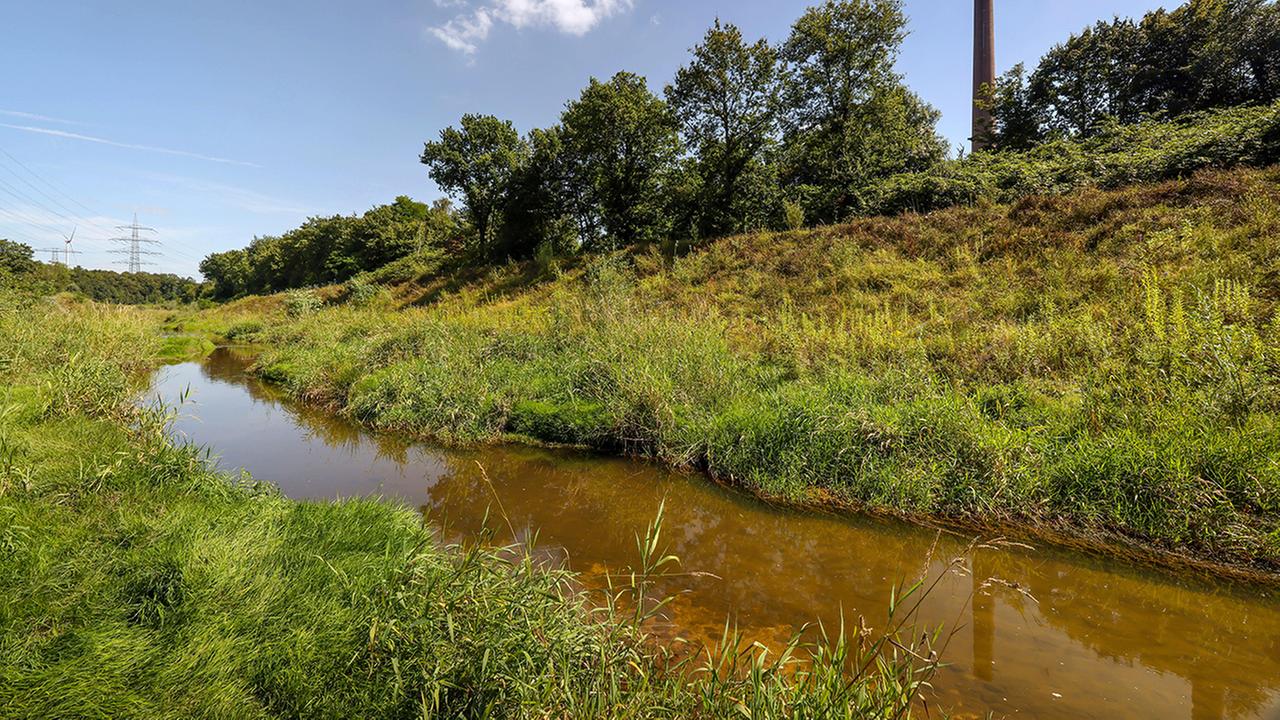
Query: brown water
{"points": [[1100, 639]]}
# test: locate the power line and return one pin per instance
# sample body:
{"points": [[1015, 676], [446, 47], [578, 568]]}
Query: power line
{"points": [[194, 256], [53, 254], [20, 197], [135, 242], [46, 195], [52, 186]]}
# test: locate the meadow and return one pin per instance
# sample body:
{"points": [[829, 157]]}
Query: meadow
{"points": [[135, 581], [1103, 363]]}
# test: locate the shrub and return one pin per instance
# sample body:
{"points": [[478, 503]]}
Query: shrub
{"points": [[298, 303]]}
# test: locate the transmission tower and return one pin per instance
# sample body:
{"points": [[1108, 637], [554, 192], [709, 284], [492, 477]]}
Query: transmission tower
{"points": [[134, 251], [54, 252]]}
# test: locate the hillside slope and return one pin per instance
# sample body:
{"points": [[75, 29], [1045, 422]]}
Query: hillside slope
{"points": [[1101, 362]]}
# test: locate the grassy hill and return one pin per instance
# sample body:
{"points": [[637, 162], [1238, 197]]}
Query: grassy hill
{"points": [[1104, 362]]}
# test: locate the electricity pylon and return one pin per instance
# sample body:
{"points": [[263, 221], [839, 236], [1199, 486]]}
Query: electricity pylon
{"points": [[54, 252], [134, 251]]}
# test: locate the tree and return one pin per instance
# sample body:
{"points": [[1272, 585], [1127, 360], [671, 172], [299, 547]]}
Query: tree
{"points": [[15, 259], [620, 140], [475, 163], [1092, 77], [1019, 119], [541, 204], [726, 102], [228, 272], [850, 118], [390, 232], [1203, 55]]}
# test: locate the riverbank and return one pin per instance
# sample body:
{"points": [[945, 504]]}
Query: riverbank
{"points": [[136, 581], [1105, 364]]}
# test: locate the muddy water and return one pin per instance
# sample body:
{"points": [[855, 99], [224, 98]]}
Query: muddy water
{"points": [[1095, 639]]}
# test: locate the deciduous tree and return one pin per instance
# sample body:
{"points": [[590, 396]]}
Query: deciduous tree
{"points": [[475, 163], [620, 141], [726, 100]]}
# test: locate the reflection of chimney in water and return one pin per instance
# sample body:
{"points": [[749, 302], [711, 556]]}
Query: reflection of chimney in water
{"points": [[1207, 701], [984, 626]]}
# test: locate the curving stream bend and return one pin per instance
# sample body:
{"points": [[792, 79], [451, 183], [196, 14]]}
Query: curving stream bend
{"points": [[1097, 638]]}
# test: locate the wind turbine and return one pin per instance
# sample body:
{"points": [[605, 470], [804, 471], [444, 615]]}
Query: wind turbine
{"points": [[67, 252]]}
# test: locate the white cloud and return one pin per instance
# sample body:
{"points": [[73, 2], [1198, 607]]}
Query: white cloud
{"points": [[573, 17], [463, 32], [129, 146]]}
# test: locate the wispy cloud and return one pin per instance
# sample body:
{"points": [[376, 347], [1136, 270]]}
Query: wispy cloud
{"points": [[128, 146], [38, 118], [574, 17], [235, 197]]}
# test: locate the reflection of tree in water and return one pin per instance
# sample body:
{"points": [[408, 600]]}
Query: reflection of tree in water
{"points": [[230, 365]]}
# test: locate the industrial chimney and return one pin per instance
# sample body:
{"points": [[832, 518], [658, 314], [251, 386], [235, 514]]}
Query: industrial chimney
{"points": [[984, 71]]}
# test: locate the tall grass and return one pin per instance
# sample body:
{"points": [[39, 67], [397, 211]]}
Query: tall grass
{"points": [[137, 582], [1107, 362]]}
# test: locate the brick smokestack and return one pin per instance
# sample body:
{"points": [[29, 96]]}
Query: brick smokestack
{"points": [[984, 70]]}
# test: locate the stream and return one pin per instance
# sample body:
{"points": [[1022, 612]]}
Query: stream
{"points": [[1086, 637]]}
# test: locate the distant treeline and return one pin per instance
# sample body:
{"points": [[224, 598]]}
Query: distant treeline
{"points": [[750, 136], [331, 249], [20, 270]]}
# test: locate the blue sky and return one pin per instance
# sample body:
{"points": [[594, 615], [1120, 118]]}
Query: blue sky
{"points": [[219, 121]]}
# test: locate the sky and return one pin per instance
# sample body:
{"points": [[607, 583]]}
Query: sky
{"points": [[216, 122]]}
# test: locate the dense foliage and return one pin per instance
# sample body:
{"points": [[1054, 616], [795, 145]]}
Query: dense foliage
{"points": [[19, 270], [331, 249], [749, 136], [817, 129], [1114, 156], [1204, 55]]}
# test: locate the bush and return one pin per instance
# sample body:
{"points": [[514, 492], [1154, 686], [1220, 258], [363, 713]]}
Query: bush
{"points": [[299, 303]]}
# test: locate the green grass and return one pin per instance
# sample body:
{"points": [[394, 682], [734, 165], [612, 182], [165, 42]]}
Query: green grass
{"points": [[137, 582], [1104, 362]]}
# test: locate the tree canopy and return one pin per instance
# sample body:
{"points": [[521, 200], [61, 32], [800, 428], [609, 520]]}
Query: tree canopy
{"points": [[621, 139], [750, 135], [331, 249], [1204, 55], [475, 163], [726, 100]]}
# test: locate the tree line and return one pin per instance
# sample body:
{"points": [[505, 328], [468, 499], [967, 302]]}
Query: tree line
{"points": [[746, 136], [20, 270], [750, 135], [331, 249]]}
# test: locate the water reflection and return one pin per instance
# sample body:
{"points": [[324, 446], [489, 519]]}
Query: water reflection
{"points": [[1100, 639]]}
